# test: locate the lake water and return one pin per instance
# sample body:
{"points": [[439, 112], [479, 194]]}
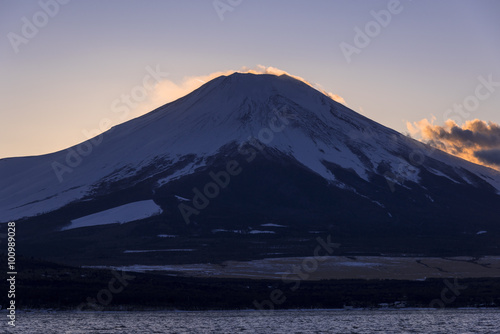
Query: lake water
{"points": [[286, 322]]}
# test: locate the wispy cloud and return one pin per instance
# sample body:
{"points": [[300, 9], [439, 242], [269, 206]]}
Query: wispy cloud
{"points": [[477, 141]]}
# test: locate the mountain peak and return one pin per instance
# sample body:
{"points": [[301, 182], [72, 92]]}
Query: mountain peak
{"points": [[258, 85]]}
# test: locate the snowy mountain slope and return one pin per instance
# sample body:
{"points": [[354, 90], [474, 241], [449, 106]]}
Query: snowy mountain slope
{"points": [[179, 138]]}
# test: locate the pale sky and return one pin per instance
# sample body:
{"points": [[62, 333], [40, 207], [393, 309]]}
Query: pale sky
{"points": [[62, 78]]}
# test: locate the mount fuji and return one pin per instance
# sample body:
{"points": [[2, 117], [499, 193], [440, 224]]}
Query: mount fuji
{"points": [[248, 166]]}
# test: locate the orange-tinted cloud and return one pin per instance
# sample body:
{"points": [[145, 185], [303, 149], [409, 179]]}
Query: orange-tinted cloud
{"points": [[477, 141]]}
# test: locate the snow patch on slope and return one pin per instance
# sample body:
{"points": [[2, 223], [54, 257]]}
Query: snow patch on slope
{"points": [[118, 215]]}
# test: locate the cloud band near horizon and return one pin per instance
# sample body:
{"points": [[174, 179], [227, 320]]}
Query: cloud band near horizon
{"points": [[476, 140]]}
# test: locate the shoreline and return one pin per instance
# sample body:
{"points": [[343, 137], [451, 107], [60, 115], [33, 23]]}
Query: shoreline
{"points": [[392, 309]]}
